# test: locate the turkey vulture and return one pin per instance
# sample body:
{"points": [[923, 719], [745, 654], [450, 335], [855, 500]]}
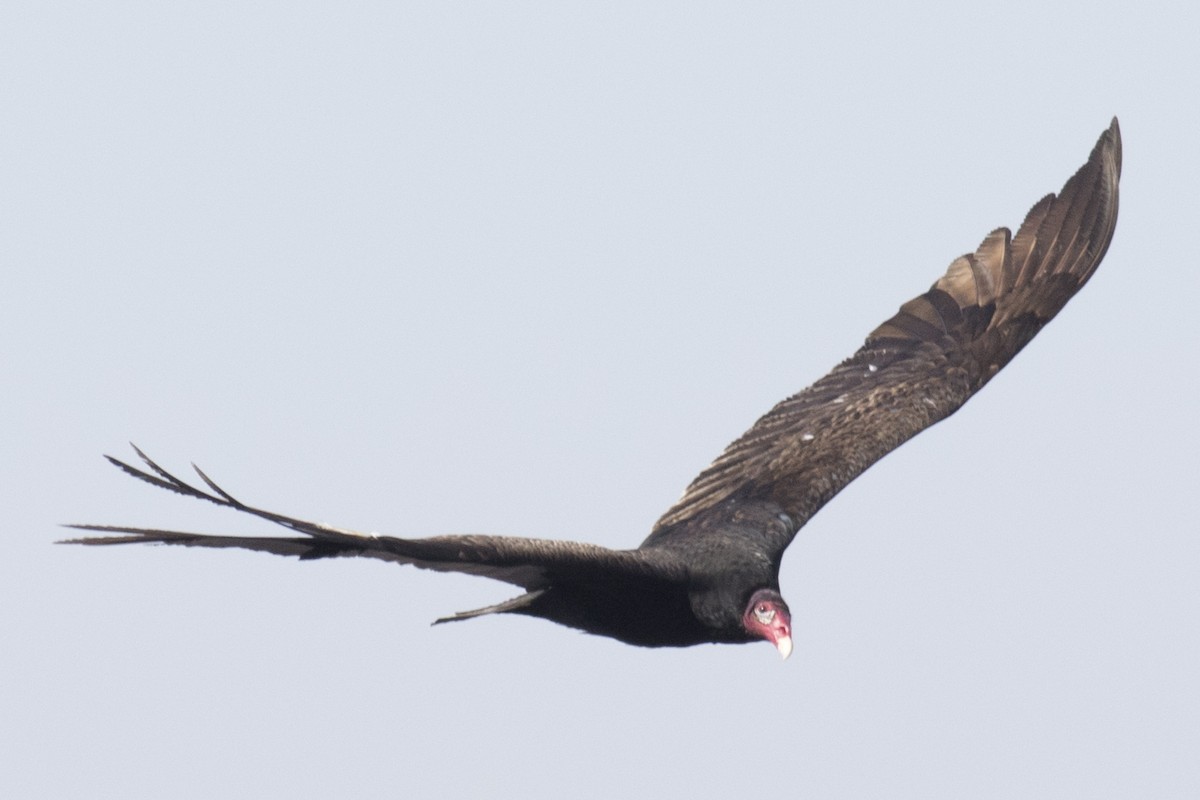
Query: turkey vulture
{"points": [[709, 570]]}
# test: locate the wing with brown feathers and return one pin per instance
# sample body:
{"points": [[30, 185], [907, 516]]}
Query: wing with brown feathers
{"points": [[529, 563], [921, 365]]}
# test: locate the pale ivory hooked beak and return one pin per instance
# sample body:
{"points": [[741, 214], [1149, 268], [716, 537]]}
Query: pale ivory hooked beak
{"points": [[784, 645]]}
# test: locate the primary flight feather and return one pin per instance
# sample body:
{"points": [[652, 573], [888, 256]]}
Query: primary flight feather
{"points": [[709, 570]]}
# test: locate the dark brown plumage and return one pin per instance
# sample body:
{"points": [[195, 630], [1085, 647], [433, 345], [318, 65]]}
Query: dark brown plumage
{"points": [[709, 570]]}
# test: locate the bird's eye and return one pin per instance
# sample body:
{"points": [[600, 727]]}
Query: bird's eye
{"points": [[764, 613]]}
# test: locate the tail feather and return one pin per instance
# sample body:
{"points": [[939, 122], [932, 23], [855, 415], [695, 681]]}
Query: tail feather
{"points": [[516, 604]]}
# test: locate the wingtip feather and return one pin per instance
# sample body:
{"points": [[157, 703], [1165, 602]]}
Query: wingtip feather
{"points": [[212, 485]]}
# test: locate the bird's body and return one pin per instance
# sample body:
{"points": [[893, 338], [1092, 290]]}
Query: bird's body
{"points": [[709, 570]]}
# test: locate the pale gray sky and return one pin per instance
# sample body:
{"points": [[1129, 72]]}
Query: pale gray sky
{"points": [[525, 269]]}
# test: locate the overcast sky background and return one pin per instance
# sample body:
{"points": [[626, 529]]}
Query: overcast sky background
{"points": [[526, 269]]}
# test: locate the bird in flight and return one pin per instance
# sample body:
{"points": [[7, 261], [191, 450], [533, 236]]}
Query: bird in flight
{"points": [[709, 570]]}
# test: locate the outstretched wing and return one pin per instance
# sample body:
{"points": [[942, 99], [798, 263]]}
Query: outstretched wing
{"points": [[921, 365], [529, 563]]}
